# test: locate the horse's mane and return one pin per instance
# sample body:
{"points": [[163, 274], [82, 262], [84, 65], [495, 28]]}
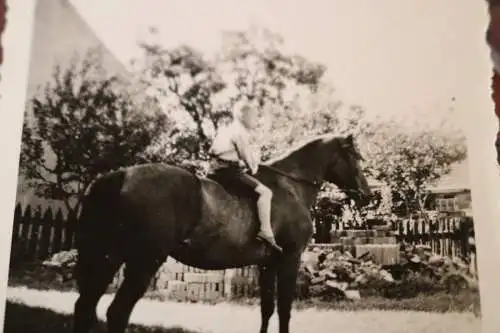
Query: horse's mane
{"points": [[303, 143]]}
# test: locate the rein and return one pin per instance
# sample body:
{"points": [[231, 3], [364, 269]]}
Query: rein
{"points": [[297, 179], [313, 183], [278, 171]]}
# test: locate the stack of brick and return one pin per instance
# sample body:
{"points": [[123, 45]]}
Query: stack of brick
{"points": [[381, 244]]}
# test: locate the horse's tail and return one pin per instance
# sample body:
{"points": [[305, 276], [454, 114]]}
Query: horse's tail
{"points": [[97, 231]]}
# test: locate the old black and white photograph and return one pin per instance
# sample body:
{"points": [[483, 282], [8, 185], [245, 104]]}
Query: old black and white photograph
{"points": [[216, 166]]}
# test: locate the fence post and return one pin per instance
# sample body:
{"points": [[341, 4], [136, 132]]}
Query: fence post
{"points": [[23, 240], [450, 227], [473, 265], [58, 226], [465, 228], [69, 233], [410, 231], [47, 220], [18, 215], [439, 236], [16, 241], [35, 226], [228, 286]]}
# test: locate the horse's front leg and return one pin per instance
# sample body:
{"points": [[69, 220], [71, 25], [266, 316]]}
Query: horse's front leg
{"points": [[287, 281], [267, 286]]}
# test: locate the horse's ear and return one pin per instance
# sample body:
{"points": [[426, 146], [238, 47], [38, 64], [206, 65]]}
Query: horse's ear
{"points": [[349, 140]]}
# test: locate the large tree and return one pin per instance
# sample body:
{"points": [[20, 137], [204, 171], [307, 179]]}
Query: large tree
{"points": [[199, 90], [411, 159], [84, 123]]}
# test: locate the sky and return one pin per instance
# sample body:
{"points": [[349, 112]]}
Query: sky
{"points": [[395, 58]]}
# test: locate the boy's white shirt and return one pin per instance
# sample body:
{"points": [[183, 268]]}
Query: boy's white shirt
{"points": [[235, 134]]}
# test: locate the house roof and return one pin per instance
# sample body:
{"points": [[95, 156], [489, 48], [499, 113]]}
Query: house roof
{"points": [[59, 33], [456, 180]]}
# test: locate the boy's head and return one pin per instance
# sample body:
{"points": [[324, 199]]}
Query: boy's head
{"points": [[246, 113]]}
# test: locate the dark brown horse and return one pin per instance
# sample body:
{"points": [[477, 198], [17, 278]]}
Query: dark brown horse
{"points": [[141, 215]]}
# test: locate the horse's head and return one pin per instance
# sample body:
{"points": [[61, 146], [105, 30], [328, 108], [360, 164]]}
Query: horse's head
{"points": [[344, 170]]}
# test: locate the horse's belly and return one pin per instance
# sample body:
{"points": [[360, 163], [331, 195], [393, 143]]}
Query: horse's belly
{"points": [[220, 257], [225, 235], [222, 243]]}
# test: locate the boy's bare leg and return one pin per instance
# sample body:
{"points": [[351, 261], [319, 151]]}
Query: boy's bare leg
{"points": [[264, 212]]}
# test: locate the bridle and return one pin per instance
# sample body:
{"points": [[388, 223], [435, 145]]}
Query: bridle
{"points": [[313, 183], [309, 182]]}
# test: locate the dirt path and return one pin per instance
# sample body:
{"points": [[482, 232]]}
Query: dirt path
{"points": [[222, 318]]}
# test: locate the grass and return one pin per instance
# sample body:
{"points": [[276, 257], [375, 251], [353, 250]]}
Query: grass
{"points": [[35, 276], [44, 320], [467, 300], [31, 311], [439, 302]]}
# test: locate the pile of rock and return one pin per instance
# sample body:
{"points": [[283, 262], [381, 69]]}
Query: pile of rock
{"points": [[453, 272], [338, 274], [62, 263]]}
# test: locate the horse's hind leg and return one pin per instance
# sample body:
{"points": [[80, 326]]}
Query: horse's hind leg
{"points": [[93, 275], [138, 276], [267, 286]]}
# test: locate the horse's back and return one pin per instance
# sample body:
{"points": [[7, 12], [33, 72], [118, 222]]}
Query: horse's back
{"points": [[217, 200], [161, 186], [170, 192], [150, 205]]}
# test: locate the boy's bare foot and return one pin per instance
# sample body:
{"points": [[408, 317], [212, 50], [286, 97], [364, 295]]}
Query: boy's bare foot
{"points": [[269, 240]]}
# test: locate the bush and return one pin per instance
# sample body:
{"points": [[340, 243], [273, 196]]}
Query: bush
{"points": [[412, 286], [333, 275]]}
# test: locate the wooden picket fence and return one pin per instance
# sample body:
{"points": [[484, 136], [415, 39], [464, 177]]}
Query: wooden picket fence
{"points": [[38, 234], [447, 235]]}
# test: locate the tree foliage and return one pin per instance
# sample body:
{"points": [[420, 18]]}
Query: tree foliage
{"points": [[199, 91], [411, 160], [84, 123]]}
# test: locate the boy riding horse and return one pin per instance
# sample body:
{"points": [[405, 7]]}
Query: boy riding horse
{"points": [[232, 152]]}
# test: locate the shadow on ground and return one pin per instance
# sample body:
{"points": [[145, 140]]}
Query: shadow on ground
{"points": [[20, 318]]}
